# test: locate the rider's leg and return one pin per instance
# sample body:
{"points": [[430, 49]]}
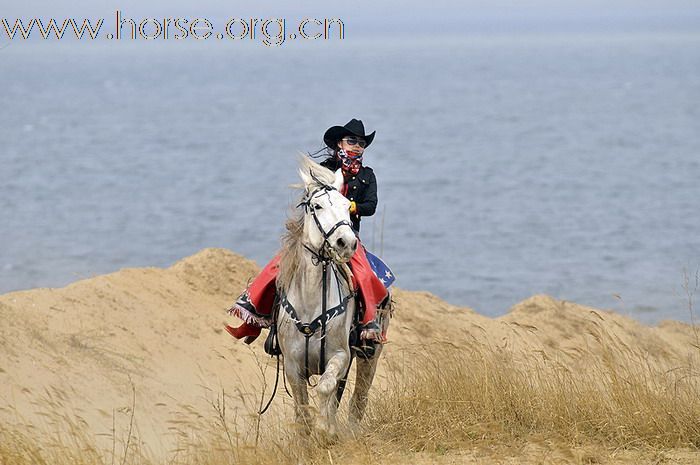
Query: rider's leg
{"points": [[254, 306], [371, 288]]}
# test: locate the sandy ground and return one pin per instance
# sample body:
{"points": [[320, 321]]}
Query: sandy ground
{"points": [[86, 349]]}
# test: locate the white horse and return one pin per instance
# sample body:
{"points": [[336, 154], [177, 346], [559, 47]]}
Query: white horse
{"points": [[318, 302]]}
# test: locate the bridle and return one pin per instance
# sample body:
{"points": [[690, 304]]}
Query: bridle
{"points": [[325, 252]]}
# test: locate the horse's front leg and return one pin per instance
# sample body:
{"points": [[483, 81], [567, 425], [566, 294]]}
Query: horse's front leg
{"points": [[327, 386], [297, 383], [363, 381]]}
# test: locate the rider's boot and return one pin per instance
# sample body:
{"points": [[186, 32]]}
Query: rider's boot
{"points": [[246, 331], [370, 336]]}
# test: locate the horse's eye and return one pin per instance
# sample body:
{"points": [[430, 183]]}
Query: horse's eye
{"points": [[318, 207]]}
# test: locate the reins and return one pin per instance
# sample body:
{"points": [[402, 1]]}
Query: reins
{"points": [[275, 342]]}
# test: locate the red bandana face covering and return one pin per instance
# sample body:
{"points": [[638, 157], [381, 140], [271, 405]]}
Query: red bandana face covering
{"points": [[350, 162]]}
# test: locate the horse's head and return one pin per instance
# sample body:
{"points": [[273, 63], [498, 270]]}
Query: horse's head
{"points": [[327, 225]]}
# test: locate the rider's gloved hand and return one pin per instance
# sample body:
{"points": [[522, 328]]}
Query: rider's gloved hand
{"points": [[353, 207]]}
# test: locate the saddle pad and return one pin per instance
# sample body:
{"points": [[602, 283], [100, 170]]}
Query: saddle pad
{"points": [[380, 269]]}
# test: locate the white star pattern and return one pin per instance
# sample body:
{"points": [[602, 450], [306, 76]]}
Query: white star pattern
{"points": [[388, 274]]}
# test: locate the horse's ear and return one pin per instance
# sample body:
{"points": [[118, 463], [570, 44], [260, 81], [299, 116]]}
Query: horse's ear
{"points": [[338, 183], [306, 177]]}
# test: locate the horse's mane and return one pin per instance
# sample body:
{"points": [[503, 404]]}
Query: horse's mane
{"points": [[292, 248]]}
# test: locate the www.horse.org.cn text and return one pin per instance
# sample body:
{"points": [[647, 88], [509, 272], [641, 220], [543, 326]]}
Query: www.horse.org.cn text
{"points": [[271, 32]]}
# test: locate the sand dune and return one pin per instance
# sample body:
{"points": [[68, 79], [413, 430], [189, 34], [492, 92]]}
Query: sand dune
{"points": [[157, 333]]}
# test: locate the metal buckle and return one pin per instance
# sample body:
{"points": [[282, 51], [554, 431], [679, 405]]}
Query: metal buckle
{"points": [[306, 329]]}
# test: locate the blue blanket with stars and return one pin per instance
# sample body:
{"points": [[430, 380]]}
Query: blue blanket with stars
{"points": [[380, 269]]}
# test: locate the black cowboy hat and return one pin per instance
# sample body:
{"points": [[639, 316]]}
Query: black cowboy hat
{"points": [[354, 127]]}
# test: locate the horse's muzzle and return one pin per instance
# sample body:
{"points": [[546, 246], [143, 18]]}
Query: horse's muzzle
{"points": [[345, 245]]}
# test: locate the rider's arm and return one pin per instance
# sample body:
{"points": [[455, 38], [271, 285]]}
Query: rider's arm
{"points": [[369, 202]]}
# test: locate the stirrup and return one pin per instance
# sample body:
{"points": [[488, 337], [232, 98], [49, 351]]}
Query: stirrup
{"points": [[365, 349]]}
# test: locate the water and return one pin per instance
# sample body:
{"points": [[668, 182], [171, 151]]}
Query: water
{"points": [[508, 165]]}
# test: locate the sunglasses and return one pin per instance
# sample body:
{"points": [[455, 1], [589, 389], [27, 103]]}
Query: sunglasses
{"points": [[355, 141]]}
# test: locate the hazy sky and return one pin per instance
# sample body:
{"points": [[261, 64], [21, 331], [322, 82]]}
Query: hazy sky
{"points": [[394, 18], [382, 12]]}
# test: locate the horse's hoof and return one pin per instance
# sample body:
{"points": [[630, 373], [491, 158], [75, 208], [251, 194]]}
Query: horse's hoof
{"points": [[302, 430], [326, 437], [353, 423], [304, 424]]}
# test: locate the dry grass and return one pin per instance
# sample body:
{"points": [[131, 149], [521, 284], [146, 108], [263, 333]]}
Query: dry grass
{"points": [[619, 400], [445, 399]]}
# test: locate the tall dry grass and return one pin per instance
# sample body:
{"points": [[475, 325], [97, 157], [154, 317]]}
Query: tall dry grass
{"points": [[439, 398], [610, 395]]}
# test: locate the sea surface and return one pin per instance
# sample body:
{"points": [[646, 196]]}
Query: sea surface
{"points": [[508, 165]]}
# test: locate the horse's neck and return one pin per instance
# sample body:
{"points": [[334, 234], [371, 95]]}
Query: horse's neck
{"points": [[310, 281], [308, 288]]}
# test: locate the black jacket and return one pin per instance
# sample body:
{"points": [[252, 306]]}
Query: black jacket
{"points": [[362, 189]]}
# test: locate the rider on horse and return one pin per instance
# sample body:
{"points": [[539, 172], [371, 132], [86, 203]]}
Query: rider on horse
{"points": [[346, 146]]}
